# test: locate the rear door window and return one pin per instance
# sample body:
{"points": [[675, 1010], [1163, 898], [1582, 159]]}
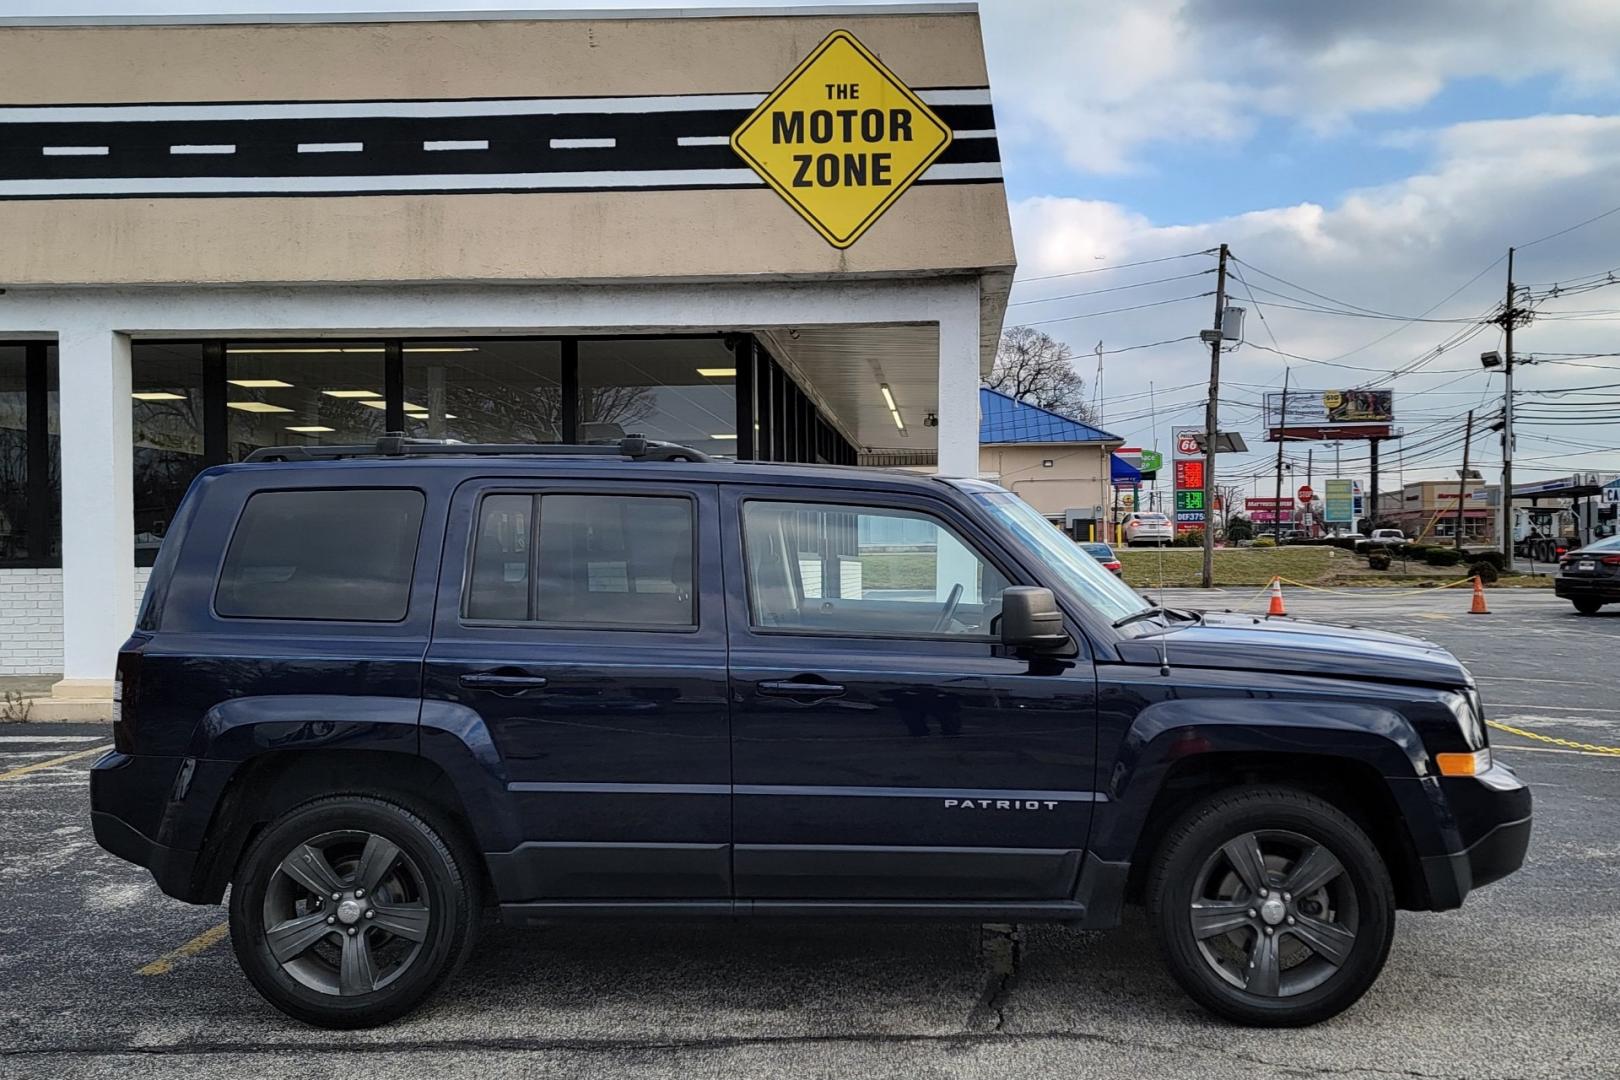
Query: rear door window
{"points": [[325, 554], [584, 560]]}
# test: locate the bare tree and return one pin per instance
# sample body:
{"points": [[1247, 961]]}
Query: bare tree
{"points": [[1035, 367]]}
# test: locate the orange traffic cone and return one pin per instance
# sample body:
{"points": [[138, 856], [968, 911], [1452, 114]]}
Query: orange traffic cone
{"points": [[1479, 607], [1276, 599]]}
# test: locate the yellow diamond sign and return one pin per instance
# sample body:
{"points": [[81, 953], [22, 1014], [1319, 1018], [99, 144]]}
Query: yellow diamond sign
{"points": [[841, 139]]}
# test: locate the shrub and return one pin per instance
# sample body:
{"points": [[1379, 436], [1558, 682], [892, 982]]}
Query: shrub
{"points": [[1378, 560], [1265, 541], [1190, 538], [1485, 571], [1442, 557], [1240, 528], [1497, 560]]}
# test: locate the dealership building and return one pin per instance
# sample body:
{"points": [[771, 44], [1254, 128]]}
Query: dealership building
{"points": [[776, 235]]}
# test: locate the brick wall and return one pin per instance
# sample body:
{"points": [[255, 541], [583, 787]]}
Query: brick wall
{"points": [[31, 619]]}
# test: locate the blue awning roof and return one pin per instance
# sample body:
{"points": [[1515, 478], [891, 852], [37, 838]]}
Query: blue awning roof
{"points": [[1005, 419], [1123, 472]]}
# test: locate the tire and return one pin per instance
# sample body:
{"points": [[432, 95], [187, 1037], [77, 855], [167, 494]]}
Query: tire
{"points": [[1320, 970], [1587, 607], [389, 961]]}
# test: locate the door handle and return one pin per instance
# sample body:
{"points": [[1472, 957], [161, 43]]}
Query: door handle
{"points": [[505, 685], [795, 688]]}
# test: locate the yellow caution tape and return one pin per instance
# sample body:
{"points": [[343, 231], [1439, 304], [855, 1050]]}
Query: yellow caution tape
{"points": [[1377, 590], [1569, 744]]}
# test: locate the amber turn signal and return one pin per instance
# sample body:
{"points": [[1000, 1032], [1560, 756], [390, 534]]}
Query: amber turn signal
{"points": [[1463, 764]]}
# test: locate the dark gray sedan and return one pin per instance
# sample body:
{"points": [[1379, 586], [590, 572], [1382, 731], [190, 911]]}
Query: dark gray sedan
{"points": [[1590, 576]]}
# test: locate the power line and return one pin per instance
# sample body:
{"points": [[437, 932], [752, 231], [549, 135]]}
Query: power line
{"points": [[1116, 311], [1570, 229], [1115, 288], [1117, 266]]}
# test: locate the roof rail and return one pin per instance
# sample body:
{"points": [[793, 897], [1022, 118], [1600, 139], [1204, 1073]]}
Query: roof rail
{"points": [[395, 444]]}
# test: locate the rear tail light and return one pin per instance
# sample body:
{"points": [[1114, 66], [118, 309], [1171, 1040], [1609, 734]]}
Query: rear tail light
{"points": [[1611, 560], [1110, 566]]}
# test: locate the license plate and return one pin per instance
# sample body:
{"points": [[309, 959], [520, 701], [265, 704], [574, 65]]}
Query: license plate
{"points": [[1586, 564]]}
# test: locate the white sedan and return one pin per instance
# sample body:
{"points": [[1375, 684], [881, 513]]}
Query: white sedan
{"points": [[1148, 528]]}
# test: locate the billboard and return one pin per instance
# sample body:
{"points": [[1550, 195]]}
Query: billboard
{"points": [[1330, 414], [1264, 510]]}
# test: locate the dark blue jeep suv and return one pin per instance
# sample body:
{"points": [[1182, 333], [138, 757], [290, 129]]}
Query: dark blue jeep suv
{"points": [[373, 689]]}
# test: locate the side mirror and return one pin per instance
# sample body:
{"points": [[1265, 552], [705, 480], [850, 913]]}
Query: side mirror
{"points": [[1030, 618]]}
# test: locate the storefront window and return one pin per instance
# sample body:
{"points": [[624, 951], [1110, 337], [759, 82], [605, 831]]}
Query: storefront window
{"points": [[291, 393], [484, 391], [167, 380], [680, 390], [30, 459]]}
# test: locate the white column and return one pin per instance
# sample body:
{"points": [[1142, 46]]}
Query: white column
{"points": [[98, 561], [959, 385]]}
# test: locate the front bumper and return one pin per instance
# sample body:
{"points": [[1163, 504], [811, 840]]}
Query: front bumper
{"points": [[1606, 589], [1491, 817]]}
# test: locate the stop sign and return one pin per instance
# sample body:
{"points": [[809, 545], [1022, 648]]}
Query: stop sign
{"points": [[1305, 493]]}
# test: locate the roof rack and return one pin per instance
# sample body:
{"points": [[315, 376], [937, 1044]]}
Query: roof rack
{"points": [[395, 444]]}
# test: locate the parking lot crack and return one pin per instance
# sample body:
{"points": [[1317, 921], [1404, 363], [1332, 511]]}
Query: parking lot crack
{"points": [[1001, 948]]}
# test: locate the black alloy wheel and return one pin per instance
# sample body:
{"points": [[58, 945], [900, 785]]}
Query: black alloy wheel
{"points": [[1272, 907], [349, 911]]}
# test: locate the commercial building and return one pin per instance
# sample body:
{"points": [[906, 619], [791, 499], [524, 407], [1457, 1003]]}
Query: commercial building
{"points": [[228, 234], [1062, 467], [1428, 510]]}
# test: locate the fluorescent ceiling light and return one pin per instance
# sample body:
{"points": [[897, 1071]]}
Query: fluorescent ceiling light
{"points": [[303, 351], [899, 423], [351, 393], [255, 406], [440, 348], [888, 398], [375, 404], [156, 395], [717, 372], [409, 408], [722, 436], [310, 429], [260, 384]]}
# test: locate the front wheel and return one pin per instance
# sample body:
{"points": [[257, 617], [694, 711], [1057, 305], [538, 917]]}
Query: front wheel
{"points": [[349, 911], [1272, 908], [1585, 606]]}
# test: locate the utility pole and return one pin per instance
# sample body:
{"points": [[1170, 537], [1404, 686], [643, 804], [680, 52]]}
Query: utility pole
{"points": [[1372, 463], [1211, 421], [1336, 445], [1282, 435], [1310, 515], [1508, 314], [1462, 485]]}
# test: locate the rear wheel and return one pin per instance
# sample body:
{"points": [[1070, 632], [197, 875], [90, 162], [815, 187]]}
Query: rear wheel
{"points": [[349, 911], [1587, 606], [1272, 907]]}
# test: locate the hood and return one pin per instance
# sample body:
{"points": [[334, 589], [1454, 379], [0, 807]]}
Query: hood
{"points": [[1301, 648]]}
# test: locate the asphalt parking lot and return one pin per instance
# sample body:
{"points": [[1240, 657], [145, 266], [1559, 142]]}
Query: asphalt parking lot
{"points": [[101, 975]]}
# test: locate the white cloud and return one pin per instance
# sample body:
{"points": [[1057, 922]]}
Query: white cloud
{"points": [[1105, 81], [1398, 248]]}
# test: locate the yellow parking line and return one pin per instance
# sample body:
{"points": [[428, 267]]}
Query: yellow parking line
{"points": [[165, 963], [24, 770]]}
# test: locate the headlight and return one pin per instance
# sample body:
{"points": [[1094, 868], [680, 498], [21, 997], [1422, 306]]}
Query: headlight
{"points": [[1471, 723]]}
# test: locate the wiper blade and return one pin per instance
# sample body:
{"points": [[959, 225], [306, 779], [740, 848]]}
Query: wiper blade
{"points": [[1167, 612], [1138, 616]]}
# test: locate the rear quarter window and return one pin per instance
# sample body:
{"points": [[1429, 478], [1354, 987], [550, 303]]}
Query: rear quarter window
{"points": [[328, 554]]}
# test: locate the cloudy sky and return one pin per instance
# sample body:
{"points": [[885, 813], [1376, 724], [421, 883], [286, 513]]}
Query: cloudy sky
{"points": [[1374, 158]]}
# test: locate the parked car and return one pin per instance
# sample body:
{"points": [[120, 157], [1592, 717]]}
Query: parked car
{"points": [[1590, 576], [1148, 528], [1105, 555], [1382, 536], [372, 688]]}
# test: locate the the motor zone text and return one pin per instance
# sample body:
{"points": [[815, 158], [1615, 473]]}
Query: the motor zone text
{"points": [[849, 168]]}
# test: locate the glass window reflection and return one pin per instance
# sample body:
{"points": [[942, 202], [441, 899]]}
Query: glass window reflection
{"points": [[680, 390]]}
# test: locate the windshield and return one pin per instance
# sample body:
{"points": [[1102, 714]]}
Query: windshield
{"points": [[1077, 572]]}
